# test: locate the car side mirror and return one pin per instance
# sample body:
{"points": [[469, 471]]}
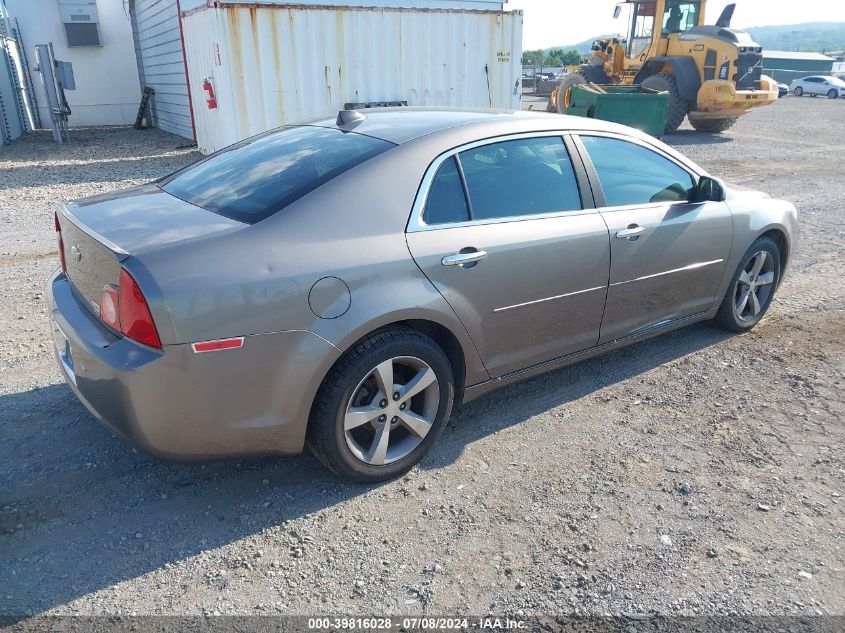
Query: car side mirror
{"points": [[617, 11], [709, 190]]}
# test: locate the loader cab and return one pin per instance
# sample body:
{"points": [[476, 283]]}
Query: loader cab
{"points": [[651, 23], [680, 16], [641, 28]]}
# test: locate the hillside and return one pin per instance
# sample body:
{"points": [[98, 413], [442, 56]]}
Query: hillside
{"points": [[809, 36], [820, 37]]}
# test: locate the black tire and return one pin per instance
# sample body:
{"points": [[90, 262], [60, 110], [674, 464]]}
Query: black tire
{"points": [[798, 92], [727, 318], [832, 94], [678, 107], [326, 436], [713, 125], [576, 78]]}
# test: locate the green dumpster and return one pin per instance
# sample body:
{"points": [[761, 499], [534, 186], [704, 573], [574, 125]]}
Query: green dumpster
{"points": [[638, 107]]}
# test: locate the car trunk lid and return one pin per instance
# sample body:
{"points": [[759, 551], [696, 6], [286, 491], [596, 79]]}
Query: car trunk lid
{"points": [[99, 232]]}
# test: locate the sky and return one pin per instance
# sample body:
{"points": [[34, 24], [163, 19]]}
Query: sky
{"points": [[558, 22]]}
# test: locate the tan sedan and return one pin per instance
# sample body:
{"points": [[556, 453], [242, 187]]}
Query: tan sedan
{"points": [[344, 284]]}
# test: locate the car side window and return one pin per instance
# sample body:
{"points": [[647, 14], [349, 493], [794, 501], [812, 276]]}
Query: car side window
{"points": [[633, 174], [520, 177], [446, 202]]}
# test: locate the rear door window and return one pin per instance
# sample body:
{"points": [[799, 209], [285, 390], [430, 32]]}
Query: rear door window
{"points": [[632, 174], [255, 178]]}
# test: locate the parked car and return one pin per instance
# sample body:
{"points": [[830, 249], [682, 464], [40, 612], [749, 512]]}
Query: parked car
{"points": [[344, 284], [831, 87], [783, 90]]}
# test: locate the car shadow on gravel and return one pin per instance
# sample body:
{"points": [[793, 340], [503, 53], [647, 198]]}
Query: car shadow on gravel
{"points": [[694, 137], [81, 510], [517, 403]]}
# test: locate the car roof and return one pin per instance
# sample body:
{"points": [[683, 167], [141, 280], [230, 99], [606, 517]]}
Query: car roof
{"points": [[403, 124]]}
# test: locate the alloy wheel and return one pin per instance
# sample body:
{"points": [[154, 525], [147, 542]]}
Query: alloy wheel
{"points": [[755, 286], [391, 410]]}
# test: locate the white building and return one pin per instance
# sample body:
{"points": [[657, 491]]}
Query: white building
{"points": [[100, 48]]}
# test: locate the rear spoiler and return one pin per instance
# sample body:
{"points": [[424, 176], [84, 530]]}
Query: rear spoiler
{"points": [[64, 212]]}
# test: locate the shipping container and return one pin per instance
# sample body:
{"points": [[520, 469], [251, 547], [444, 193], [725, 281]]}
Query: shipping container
{"points": [[253, 67], [408, 4]]}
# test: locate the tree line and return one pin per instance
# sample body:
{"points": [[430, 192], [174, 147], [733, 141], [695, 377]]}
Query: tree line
{"points": [[551, 58]]}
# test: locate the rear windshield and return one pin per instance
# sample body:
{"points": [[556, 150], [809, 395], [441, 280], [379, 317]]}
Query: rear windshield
{"points": [[255, 178]]}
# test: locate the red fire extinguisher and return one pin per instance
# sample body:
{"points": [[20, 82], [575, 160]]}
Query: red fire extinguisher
{"points": [[210, 98]]}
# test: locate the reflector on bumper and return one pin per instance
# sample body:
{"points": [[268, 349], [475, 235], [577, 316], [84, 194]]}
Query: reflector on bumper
{"points": [[220, 344]]}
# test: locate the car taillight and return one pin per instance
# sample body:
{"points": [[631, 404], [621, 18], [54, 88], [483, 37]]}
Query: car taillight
{"points": [[125, 309], [136, 322], [61, 243]]}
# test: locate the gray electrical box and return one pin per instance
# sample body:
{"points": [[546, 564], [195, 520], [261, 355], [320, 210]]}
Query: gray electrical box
{"points": [[81, 22], [64, 75]]}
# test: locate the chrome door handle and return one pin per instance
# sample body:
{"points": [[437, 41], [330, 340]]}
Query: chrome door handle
{"points": [[459, 259], [630, 233]]}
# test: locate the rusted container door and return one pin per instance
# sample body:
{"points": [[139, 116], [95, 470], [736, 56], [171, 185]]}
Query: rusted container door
{"points": [[155, 25]]}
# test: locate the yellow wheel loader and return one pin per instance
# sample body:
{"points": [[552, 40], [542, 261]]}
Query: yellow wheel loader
{"points": [[712, 73]]}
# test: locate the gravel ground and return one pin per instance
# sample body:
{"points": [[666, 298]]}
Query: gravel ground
{"points": [[697, 473]]}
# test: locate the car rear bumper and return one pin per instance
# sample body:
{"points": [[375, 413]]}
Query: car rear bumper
{"points": [[180, 405]]}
